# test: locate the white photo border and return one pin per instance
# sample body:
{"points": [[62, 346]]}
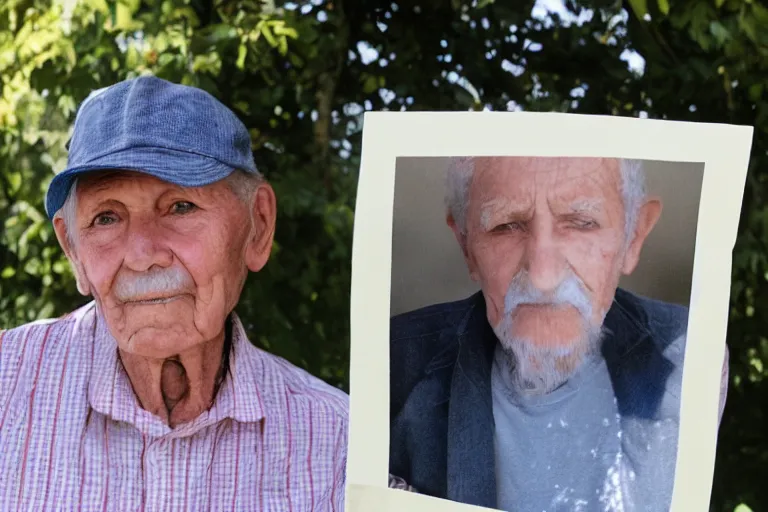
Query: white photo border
{"points": [[724, 150]]}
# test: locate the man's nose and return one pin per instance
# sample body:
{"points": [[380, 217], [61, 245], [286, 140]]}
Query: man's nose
{"points": [[146, 247], [544, 260]]}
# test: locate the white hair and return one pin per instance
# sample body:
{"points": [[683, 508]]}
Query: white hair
{"points": [[243, 185], [459, 179], [68, 212]]}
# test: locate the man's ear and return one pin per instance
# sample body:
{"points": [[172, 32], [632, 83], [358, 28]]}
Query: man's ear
{"points": [[264, 215], [60, 228], [646, 220], [461, 238]]}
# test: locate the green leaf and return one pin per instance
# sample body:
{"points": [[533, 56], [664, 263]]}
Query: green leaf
{"points": [[748, 26], [99, 6], [664, 6], [8, 272], [14, 180], [67, 104], [742, 508], [242, 52], [131, 57], [47, 311], [280, 29], [719, 32], [640, 7], [267, 33], [371, 84], [761, 15]]}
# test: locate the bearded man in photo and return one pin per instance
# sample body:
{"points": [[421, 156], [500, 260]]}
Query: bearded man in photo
{"points": [[551, 388]]}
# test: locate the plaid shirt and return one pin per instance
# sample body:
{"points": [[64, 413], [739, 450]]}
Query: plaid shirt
{"points": [[74, 437]]}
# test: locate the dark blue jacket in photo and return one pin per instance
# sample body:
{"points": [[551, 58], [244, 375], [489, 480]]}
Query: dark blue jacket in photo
{"points": [[442, 422]]}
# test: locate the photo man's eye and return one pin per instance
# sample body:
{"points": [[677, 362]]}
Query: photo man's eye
{"points": [[181, 207], [510, 226], [584, 224]]}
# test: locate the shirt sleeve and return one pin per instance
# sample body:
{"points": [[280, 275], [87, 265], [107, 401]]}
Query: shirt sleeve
{"points": [[340, 470], [724, 376]]}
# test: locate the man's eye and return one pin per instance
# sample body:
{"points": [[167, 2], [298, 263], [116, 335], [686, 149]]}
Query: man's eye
{"points": [[584, 224], [510, 226], [104, 219], [181, 207]]}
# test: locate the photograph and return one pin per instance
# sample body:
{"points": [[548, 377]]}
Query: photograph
{"points": [[374, 256], [539, 312], [540, 295]]}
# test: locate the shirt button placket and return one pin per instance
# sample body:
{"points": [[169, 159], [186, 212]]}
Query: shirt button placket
{"points": [[151, 475]]}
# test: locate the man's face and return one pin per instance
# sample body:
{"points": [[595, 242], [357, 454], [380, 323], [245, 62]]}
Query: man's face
{"points": [[166, 264], [545, 239]]}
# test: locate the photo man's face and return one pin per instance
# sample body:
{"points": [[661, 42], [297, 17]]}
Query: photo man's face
{"points": [[545, 238]]}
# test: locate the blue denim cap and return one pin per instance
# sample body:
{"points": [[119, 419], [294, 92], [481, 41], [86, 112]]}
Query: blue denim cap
{"points": [[177, 133]]}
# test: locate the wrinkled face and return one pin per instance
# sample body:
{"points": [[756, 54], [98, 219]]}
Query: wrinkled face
{"points": [[545, 240], [165, 264]]}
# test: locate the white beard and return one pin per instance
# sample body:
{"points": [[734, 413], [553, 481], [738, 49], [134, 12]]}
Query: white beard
{"points": [[537, 368]]}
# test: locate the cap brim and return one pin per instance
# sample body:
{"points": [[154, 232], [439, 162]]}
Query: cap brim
{"points": [[177, 167]]}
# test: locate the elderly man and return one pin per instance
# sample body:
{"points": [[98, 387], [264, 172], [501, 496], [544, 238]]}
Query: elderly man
{"points": [[551, 389], [151, 397]]}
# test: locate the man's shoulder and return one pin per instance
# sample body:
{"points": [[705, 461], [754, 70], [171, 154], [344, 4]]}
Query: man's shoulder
{"points": [[27, 336], [427, 336], [430, 321], [300, 385], [424, 343], [29, 352], [666, 322]]}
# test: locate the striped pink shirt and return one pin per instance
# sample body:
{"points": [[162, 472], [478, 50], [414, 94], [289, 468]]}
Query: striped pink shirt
{"points": [[73, 436]]}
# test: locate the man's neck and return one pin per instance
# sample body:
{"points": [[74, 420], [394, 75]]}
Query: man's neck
{"points": [[180, 388]]}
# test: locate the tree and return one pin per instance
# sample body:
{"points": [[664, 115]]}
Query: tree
{"points": [[300, 75]]}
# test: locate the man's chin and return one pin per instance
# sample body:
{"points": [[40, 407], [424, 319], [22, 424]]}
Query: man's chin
{"points": [[543, 373], [540, 368], [159, 342]]}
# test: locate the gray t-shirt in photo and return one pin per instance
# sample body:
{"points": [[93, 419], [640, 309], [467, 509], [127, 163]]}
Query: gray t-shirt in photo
{"points": [[572, 451]]}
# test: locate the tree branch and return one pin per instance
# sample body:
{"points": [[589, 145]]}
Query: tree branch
{"points": [[325, 94]]}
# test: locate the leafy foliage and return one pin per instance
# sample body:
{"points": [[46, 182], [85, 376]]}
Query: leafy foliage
{"points": [[300, 74]]}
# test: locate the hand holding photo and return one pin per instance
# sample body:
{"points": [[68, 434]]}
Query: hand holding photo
{"points": [[540, 315]]}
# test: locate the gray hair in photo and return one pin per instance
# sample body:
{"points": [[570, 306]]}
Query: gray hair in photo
{"points": [[459, 180]]}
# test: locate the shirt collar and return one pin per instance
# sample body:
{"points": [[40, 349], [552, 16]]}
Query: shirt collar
{"points": [[241, 396]]}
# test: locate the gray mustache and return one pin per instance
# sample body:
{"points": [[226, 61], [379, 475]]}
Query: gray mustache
{"points": [[571, 291], [162, 282]]}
